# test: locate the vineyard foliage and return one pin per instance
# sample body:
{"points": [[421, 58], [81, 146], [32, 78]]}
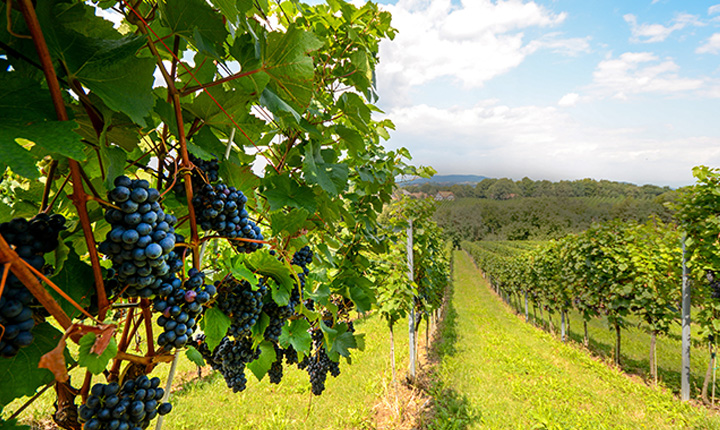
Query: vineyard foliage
{"points": [[166, 131], [613, 269], [430, 257]]}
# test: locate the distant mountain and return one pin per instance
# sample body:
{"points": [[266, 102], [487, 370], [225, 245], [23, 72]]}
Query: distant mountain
{"points": [[447, 180]]}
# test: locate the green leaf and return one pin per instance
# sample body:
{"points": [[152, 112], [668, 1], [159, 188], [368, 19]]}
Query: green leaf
{"points": [[235, 112], [195, 21], [215, 324], [108, 67], [240, 177], [343, 343], [296, 334], [262, 364], [24, 99], [228, 8], [331, 177], [76, 280], [240, 271], [282, 191], [114, 161], [267, 265], [20, 375], [11, 424], [95, 363], [18, 159], [258, 330], [352, 138], [277, 105], [290, 69], [287, 224], [47, 137], [194, 355]]}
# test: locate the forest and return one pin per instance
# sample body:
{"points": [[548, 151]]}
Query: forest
{"points": [[500, 209]]}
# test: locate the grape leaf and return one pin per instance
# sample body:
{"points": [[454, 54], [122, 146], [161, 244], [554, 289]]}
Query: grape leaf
{"points": [[20, 375], [260, 366], [353, 140], [290, 222], [114, 161], [47, 137], [76, 280], [240, 177], [215, 324], [289, 66], [262, 323], [296, 334], [93, 362], [102, 60], [241, 272], [194, 355], [277, 105], [267, 265], [24, 99], [195, 21], [282, 191], [18, 159], [342, 344], [332, 177]]}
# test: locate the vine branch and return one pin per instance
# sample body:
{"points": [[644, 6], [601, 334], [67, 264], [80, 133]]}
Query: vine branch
{"points": [[78, 196]]}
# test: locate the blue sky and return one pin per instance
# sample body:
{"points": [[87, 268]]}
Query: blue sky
{"points": [[555, 89]]}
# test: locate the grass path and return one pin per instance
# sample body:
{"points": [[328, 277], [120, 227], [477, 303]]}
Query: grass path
{"points": [[515, 376]]}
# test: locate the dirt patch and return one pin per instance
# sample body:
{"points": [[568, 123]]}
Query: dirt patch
{"points": [[408, 405], [405, 403]]}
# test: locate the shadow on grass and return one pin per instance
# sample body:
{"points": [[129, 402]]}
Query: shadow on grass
{"points": [[633, 366], [450, 410]]}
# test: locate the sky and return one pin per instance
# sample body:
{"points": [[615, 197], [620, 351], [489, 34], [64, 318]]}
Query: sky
{"points": [[555, 89]]}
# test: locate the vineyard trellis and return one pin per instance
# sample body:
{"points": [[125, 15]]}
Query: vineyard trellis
{"points": [[616, 269]]}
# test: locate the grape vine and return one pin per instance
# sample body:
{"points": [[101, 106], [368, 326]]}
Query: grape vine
{"points": [[168, 195]]}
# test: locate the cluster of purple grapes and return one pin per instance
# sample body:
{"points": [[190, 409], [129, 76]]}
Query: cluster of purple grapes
{"points": [[181, 308], [276, 369], [238, 301], [131, 407], [207, 171], [31, 240], [318, 364], [230, 358], [221, 209], [141, 237]]}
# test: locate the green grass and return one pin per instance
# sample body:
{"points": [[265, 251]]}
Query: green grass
{"points": [[506, 374], [346, 403], [635, 349]]}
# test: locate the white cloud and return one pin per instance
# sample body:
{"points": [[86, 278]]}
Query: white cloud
{"points": [[544, 143], [558, 44], [711, 45], [569, 99], [471, 43], [640, 72], [648, 33], [714, 9]]}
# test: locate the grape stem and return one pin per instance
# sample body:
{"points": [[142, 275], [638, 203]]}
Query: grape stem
{"points": [[48, 184], [122, 346], [52, 203], [147, 317], [78, 196]]}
